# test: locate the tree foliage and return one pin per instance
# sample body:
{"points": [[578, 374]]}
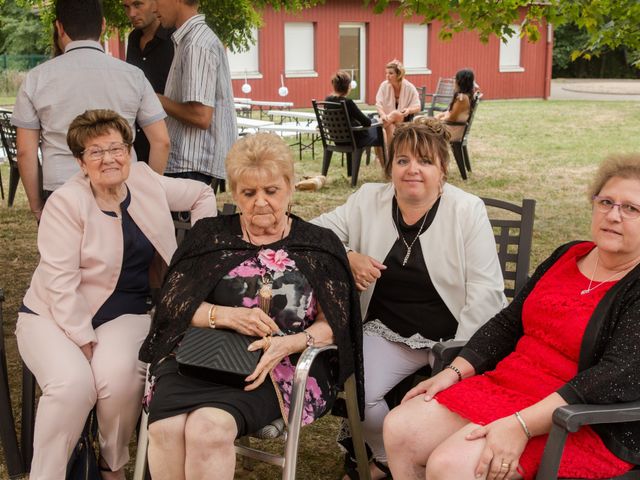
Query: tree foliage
{"points": [[608, 24], [20, 31]]}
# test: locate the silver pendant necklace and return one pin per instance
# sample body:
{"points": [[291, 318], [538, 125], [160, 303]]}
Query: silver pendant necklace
{"points": [[590, 289], [409, 246]]}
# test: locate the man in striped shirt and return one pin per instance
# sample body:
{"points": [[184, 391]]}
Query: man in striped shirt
{"points": [[198, 96]]}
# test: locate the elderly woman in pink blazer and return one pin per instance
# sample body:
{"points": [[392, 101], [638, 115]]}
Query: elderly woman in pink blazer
{"points": [[84, 316], [397, 99]]}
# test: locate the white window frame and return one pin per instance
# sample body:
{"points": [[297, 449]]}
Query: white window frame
{"points": [[510, 50], [415, 43], [247, 63], [299, 50]]}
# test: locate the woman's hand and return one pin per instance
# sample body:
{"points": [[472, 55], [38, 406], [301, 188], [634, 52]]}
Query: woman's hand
{"points": [[248, 321], [505, 442], [87, 350], [275, 349], [365, 269], [433, 385]]}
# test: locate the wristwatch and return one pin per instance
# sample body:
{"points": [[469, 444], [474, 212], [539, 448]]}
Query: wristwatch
{"points": [[310, 340]]}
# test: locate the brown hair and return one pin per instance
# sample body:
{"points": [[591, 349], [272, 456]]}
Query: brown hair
{"points": [[259, 153], [621, 165], [92, 124], [426, 137], [397, 67], [341, 81]]}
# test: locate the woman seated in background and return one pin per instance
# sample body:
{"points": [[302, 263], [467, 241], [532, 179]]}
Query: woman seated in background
{"points": [[570, 336], [397, 99], [372, 137], [84, 316], [423, 254], [297, 273], [460, 106]]}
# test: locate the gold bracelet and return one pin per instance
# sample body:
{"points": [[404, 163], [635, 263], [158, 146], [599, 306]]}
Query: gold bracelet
{"points": [[212, 316], [524, 425]]}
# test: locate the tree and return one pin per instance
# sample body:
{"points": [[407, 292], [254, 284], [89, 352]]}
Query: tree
{"points": [[20, 32], [608, 24]]}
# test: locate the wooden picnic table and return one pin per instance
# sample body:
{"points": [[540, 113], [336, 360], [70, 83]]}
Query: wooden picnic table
{"points": [[307, 117]]}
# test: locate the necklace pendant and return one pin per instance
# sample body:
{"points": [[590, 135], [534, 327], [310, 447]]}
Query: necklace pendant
{"points": [[265, 291], [406, 257], [584, 292]]}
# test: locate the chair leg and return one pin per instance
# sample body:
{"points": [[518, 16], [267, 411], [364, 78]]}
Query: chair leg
{"points": [[27, 416], [349, 164], [457, 153], [368, 155], [14, 178], [353, 414], [1, 186], [141, 453], [326, 161], [355, 168], [467, 160], [8, 436]]}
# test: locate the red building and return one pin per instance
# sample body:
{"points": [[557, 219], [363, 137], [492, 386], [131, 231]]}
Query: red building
{"points": [[303, 50]]}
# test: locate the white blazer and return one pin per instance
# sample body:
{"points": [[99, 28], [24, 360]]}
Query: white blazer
{"points": [[459, 249]]}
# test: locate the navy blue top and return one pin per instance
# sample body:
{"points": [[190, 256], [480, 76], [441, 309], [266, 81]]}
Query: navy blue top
{"points": [[132, 290]]}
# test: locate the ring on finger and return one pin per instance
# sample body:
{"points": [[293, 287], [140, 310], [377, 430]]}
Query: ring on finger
{"points": [[505, 465], [267, 342]]}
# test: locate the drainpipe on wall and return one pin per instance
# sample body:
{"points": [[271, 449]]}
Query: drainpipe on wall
{"points": [[549, 62]]}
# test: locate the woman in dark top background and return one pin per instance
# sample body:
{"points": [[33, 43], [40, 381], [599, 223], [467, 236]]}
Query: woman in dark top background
{"points": [[372, 137]]}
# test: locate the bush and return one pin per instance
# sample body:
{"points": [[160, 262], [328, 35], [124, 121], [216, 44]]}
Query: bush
{"points": [[10, 81]]}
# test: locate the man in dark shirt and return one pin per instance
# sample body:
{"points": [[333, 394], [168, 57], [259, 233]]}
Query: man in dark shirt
{"points": [[150, 48]]}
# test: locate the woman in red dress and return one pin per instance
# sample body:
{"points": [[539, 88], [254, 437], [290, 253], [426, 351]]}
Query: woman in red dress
{"points": [[571, 336]]}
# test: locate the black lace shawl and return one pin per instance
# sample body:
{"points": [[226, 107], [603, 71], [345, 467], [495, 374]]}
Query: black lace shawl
{"points": [[210, 251]]}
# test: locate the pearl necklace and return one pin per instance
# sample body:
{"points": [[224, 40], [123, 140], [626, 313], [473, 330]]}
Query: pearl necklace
{"points": [[409, 247], [590, 289]]}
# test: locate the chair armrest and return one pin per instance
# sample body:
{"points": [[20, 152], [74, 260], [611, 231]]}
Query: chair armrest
{"points": [[450, 122], [572, 417], [444, 353]]}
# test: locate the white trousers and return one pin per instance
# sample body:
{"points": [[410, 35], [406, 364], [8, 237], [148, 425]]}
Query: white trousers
{"points": [[385, 365], [71, 386]]}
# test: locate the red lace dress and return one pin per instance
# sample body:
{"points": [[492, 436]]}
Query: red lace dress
{"points": [[554, 318]]}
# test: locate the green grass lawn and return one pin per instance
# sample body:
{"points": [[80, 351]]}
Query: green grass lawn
{"points": [[545, 150]]}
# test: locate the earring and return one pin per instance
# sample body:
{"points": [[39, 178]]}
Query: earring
{"points": [[289, 210]]}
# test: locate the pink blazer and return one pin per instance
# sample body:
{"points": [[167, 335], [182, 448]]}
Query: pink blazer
{"points": [[81, 247], [386, 99]]}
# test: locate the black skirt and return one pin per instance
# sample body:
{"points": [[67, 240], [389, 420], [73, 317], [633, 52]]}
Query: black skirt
{"points": [[175, 394]]}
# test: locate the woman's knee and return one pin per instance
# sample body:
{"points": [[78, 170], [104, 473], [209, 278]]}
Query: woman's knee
{"points": [[209, 429], [75, 389], [167, 432], [447, 463]]}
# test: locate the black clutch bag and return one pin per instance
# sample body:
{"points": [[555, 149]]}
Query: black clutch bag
{"points": [[219, 356]]}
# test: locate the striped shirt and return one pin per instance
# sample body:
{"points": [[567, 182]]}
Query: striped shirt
{"points": [[200, 73]]}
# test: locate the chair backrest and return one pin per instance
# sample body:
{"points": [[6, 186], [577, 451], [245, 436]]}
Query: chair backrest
{"points": [[513, 230], [334, 126], [442, 97], [475, 101], [182, 226], [8, 136]]}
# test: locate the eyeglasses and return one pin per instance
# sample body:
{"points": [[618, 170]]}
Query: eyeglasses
{"points": [[116, 150], [628, 211]]}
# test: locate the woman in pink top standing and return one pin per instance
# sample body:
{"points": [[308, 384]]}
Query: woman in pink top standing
{"points": [[397, 99]]}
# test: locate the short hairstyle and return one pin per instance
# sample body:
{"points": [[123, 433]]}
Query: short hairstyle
{"points": [[465, 79], [259, 154], [397, 67], [426, 136], [622, 166], [92, 124], [341, 81], [81, 19]]}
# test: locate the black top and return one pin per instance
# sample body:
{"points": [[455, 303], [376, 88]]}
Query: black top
{"points": [[355, 114], [155, 61], [404, 298], [132, 290], [608, 366]]}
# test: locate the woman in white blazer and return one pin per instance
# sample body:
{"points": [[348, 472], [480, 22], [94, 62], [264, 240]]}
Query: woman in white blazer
{"points": [[84, 316], [423, 254]]}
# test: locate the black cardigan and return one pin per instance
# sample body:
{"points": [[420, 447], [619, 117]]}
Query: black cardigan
{"points": [[609, 363], [211, 250]]}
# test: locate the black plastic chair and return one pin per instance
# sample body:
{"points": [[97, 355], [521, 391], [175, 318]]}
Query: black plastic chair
{"points": [[440, 99], [337, 135], [8, 138], [459, 147]]}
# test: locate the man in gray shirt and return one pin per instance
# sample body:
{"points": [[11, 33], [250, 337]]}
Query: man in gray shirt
{"points": [[83, 78], [198, 96]]}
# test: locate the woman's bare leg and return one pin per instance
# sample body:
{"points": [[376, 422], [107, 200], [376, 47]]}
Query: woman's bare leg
{"points": [[412, 431], [209, 434], [167, 448]]}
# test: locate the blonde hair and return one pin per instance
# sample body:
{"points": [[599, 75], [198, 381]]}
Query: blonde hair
{"points": [[426, 137], [95, 123], [397, 67], [259, 154], [619, 165]]}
